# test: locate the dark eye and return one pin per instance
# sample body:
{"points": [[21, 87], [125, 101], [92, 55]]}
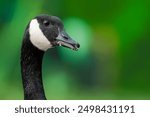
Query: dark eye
{"points": [[46, 23]]}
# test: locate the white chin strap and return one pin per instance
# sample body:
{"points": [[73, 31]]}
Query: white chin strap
{"points": [[37, 37]]}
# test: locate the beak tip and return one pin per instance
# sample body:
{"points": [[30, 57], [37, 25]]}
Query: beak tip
{"points": [[78, 45]]}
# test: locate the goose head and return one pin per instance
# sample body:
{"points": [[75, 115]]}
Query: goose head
{"points": [[48, 31]]}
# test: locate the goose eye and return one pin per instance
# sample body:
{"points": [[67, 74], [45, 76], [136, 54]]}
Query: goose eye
{"points": [[46, 23]]}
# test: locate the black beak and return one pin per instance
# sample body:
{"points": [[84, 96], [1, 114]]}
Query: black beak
{"points": [[65, 40]]}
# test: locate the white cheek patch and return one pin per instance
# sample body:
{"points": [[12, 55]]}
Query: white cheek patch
{"points": [[37, 37]]}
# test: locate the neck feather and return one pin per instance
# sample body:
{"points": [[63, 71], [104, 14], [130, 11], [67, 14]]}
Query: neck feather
{"points": [[31, 69]]}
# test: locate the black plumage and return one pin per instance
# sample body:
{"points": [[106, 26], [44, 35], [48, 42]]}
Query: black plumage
{"points": [[31, 56]]}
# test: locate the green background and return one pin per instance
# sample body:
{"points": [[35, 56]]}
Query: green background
{"points": [[113, 61]]}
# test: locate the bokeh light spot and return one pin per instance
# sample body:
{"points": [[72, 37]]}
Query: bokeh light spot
{"points": [[80, 31]]}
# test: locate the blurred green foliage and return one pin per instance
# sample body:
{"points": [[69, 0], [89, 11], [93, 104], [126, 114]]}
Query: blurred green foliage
{"points": [[112, 63]]}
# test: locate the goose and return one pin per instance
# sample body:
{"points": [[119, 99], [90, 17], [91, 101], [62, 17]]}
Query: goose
{"points": [[42, 33]]}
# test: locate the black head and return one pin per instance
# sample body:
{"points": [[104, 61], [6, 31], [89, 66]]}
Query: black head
{"points": [[48, 31]]}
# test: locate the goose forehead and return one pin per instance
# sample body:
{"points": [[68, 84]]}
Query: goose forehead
{"points": [[52, 19], [37, 38], [56, 20]]}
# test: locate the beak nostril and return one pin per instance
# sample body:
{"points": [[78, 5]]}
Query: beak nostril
{"points": [[65, 37]]}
